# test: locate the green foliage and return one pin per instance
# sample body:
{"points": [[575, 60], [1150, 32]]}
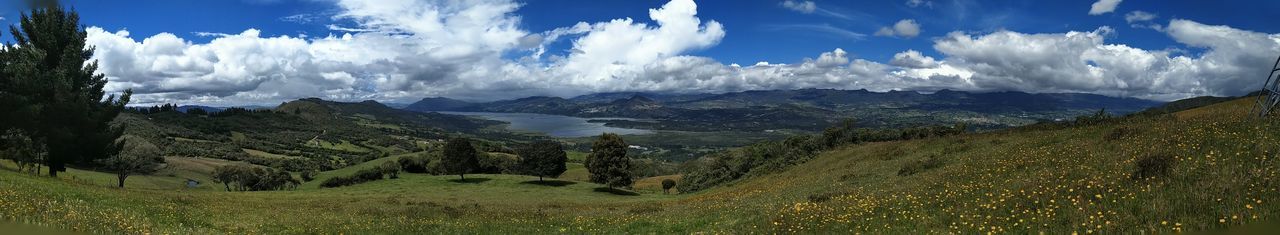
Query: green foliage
{"points": [[138, 156], [391, 169], [542, 159], [496, 163], [18, 147], [459, 157], [776, 156], [1152, 166], [308, 175], [608, 162], [915, 167], [667, 184], [50, 90], [362, 176], [242, 177]]}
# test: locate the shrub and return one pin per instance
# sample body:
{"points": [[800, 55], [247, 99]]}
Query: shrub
{"points": [[915, 167], [362, 176], [667, 184], [308, 175], [1156, 165]]}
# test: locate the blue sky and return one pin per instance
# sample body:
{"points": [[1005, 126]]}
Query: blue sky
{"points": [[783, 33]]}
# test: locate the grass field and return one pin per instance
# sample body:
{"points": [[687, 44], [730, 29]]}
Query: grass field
{"points": [[1222, 173]]}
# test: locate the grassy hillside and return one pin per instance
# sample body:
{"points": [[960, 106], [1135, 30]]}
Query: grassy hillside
{"points": [[1202, 169]]}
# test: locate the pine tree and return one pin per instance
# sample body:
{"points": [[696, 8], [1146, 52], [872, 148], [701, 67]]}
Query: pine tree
{"points": [[59, 96]]}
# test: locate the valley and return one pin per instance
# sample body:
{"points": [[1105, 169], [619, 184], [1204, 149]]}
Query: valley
{"points": [[855, 188]]}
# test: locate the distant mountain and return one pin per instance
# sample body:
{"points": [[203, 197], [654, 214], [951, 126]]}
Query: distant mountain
{"points": [[208, 109], [372, 111], [809, 109], [659, 97], [437, 104]]}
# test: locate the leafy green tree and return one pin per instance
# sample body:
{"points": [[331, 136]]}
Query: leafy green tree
{"points": [[543, 159], [54, 91], [608, 162], [667, 184], [227, 174], [138, 156], [27, 154], [459, 157]]}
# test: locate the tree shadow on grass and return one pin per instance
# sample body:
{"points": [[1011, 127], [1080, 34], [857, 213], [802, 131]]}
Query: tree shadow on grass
{"points": [[552, 183], [615, 191], [470, 180]]}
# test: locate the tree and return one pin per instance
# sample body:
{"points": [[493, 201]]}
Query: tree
{"points": [[459, 157], [608, 162], [391, 169], [27, 154], [543, 159], [137, 156], [227, 174], [55, 93], [667, 184]]}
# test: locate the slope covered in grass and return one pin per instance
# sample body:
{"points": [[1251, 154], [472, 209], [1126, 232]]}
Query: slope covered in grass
{"points": [[1202, 169]]}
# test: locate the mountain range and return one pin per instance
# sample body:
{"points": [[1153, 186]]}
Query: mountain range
{"points": [[806, 109]]}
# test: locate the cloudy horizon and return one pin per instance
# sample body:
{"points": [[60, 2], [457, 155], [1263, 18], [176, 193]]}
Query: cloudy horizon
{"points": [[405, 50]]}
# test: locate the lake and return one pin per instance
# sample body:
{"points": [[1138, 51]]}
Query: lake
{"points": [[554, 125]]}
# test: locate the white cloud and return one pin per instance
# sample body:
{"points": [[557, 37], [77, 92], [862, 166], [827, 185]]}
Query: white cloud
{"points": [[1142, 19], [913, 59], [405, 50], [1138, 16], [806, 7], [822, 28], [1103, 7], [920, 3], [906, 28], [1083, 62]]}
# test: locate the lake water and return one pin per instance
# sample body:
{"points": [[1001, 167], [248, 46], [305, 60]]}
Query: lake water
{"points": [[554, 125]]}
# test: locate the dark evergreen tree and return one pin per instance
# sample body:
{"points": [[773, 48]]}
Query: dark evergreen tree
{"points": [[608, 162], [542, 159], [59, 94], [459, 157]]}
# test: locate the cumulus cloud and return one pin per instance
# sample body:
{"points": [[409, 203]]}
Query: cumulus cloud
{"points": [[404, 50], [1083, 62], [806, 7], [913, 59], [1103, 7], [906, 28]]}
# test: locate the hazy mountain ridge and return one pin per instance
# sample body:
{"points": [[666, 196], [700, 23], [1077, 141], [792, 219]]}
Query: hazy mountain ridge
{"points": [[808, 109]]}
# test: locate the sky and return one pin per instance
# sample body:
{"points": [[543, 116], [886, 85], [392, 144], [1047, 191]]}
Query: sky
{"points": [[263, 52]]}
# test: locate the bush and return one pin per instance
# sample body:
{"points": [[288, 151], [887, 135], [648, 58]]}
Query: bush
{"points": [[915, 167], [308, 175], [362, 176], [1151, 166], [244, 177], [667, 184]]}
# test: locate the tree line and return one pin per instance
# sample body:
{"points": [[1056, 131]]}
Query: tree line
{"points": [[608, 163]]}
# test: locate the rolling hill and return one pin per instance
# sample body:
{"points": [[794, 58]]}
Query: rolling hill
{"points": [[1203, 169]]}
